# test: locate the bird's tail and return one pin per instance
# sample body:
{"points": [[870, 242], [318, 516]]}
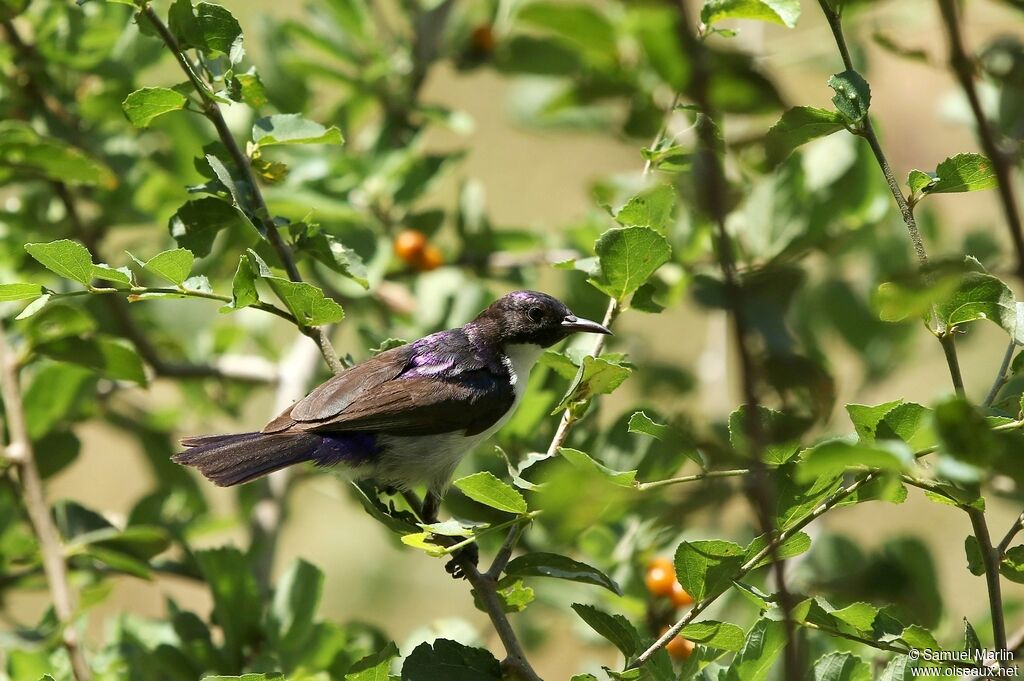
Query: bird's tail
{"points": [[233, 459]]}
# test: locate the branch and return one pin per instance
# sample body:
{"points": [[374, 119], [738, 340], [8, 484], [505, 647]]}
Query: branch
{"points": [[296, 370], [714, 193], [1010, 534], [867, 131], [963, 67], [19, 451], [91, 236], [700, 606], [1001, 377], [643, 486], [183, 292], [260, 210], [990, 558]]}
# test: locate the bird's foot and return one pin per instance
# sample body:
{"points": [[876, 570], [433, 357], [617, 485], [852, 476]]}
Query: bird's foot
{"points": [[466, 557]]}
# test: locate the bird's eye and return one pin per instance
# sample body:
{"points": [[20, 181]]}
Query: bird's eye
{"points": [[536, 314]]}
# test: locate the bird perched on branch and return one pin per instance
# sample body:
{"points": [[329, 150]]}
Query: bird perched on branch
{"points": [[407, 416]]}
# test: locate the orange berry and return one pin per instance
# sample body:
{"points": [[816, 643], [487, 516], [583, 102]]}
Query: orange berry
{"points": [[483, 39], [679, 648], [679, 596], [430, 259], [409, 245], [661, 575]]}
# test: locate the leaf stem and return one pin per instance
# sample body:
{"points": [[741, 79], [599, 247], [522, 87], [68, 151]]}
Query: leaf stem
{"points": [[19, 451], [260, 210], [1001, 377], [963, 67]]}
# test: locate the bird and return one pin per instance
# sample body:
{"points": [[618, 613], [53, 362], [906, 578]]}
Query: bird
{"points": [[407, 416]]}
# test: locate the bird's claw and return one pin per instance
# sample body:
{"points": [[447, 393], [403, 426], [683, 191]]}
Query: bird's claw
{"points": [[467, 555]]}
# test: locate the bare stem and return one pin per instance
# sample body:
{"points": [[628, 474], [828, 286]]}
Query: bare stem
{"points": [[1010, 534], [990, 559], [1000, 379], [260, 210], [963, 67], [19, 450], [714, 194], [654, 484]]}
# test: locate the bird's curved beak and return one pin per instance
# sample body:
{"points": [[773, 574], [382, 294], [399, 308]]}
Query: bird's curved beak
{"points": [[574, 323]]}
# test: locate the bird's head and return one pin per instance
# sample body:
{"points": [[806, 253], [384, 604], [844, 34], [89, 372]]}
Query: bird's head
{"points": [[529, 317]]}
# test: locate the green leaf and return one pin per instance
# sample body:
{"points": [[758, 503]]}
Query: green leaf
{"points": [[9, 292], [837, 456], [305, 301], [975, 563], [650, 208], [641, 423], [27, 153], [121, 275], [292, 129], [920, 638], [1012, 565], [785, 12], [195, 225], [330, 251], [596, 376], [861, 616], [898, 669], [765, 641], [290, 618], [841, 667], [797, 127], [57, 393], [174, 265], [539, 564], [143, 106], [615, 628], [627, 257], [780, 431], [220, 30], [576, 23], [791, 547], [248, 88], [583, 461], [960, 173], [853, 95], [236, 599], [34, 307], [375, 667], [980, 296], [243, 287], [446, 660], [109, 357], [486, 489], [720, 635], [66, 258], [897, 420], [707, 568]]}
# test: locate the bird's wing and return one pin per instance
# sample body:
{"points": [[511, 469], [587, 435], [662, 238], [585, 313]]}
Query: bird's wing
{"points": [[435, 385]]}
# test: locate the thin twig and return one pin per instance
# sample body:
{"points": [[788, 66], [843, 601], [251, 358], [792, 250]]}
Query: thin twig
{"points": [[714, 193], [963, 67], [700, 606], [654, 484], [19, 450], [1001, 377], [91, 236], [259, 205], [990, 559], [867, 131], [1014, 530], [138, 291]]}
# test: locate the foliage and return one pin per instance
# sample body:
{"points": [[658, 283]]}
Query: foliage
{"points": [[173, 205]]}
